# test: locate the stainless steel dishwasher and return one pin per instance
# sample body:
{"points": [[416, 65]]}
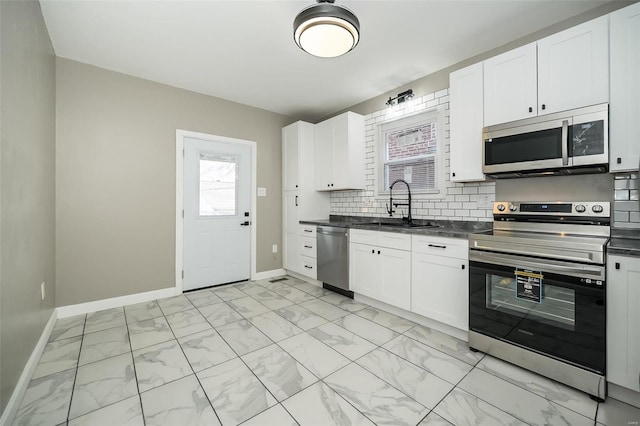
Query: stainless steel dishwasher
{"points": [[333, 258]]}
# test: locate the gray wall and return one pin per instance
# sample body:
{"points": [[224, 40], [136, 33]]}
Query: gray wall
{"points": [[115, 178], [27, 129]]}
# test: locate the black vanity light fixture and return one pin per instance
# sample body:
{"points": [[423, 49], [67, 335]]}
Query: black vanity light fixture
{"points": [[402, 97], [326, 30]]}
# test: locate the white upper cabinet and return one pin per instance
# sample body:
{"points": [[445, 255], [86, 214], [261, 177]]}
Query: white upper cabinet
{"points": [[290, 137], [339, 160], [511, 86], [564, 71], [624, 107], [573, 67], [465, 108]]}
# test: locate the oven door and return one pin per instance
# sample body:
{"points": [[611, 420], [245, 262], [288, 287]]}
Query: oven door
{"points": [[552, 307]]}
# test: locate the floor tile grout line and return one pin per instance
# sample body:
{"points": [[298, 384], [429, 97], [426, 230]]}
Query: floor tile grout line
{"points": [[258, 378], [133, 363], [343, 397], [514, 415], [485, 355], [456, 386], [188, 362], [195, 375], [75, 377], [441, 351], [237, 356]]}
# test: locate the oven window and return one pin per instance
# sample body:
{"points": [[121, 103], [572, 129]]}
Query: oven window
{"points": [[557, 306]]}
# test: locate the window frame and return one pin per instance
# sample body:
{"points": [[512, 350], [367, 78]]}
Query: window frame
{"points": [[432, 115]]}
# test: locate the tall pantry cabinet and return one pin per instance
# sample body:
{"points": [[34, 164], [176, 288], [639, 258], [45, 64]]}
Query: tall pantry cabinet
{"points": [[300, 199]]}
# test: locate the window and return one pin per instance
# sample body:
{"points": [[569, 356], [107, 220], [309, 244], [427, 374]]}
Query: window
{"points": [[217, 190], [408, 149]]}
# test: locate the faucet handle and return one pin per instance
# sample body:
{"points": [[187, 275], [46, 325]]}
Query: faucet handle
{"points": [[391, 211]]}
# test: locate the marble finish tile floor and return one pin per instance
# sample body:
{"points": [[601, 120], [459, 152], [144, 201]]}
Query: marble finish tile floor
{"points": [[284, 353]]}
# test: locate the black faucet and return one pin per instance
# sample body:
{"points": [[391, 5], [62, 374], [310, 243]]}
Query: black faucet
{"points": [[391, 210]]}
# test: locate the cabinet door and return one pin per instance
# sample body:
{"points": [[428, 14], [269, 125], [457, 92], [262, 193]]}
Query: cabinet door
{"points": [[466, 107], [340, 152], [440, 289], [290, 176], [623, 318], [573, 67], [290, 218], [510, 86], [395, 277], [324, 155], [363, 270], [624, 147]]}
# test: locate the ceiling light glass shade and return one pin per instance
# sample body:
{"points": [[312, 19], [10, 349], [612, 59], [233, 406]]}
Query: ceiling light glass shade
{"points": [[326, 30]]}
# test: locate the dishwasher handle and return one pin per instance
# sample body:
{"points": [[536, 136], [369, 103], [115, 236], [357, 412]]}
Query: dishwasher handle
{"points": [[330, 232]]}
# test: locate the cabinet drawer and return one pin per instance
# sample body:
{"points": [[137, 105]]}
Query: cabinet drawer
{"points": [[449, 247], [381, 239], [308, 267], [308, 246], [307, 231]]}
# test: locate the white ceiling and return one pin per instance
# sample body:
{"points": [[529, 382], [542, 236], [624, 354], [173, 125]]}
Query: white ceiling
{"points": [[244, 51]]}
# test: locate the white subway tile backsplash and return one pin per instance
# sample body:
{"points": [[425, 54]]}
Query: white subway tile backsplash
{"points": [[454, 202]]}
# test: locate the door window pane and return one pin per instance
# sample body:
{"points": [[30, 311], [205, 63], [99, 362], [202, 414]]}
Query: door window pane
{"points": [[218, 179]]}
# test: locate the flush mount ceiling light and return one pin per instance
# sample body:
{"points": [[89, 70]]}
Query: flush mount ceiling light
{"points": [[326, 30]]}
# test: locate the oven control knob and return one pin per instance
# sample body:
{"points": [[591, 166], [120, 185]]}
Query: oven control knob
{"points": [[580, 208], [597, 208], [513, 207], [501, 207]]}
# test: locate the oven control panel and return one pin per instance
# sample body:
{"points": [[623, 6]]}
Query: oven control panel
{"points": [[556, 208]]}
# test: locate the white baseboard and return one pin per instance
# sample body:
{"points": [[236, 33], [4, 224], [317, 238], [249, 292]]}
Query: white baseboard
{"points": [[268, 274], [427, 322], [305, 278], [115, 302], [23, 382], [623, 394]]}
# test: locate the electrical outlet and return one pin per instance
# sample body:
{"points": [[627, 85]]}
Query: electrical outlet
{"points": [[484, 202], [274, 248], [42, 291]]}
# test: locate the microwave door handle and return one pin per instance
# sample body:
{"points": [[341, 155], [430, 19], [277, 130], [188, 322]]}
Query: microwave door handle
{"points": [[565, 142]]}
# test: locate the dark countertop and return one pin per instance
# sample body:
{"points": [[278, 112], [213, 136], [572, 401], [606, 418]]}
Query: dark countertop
{"points": [[624, 242], [443, 228]]}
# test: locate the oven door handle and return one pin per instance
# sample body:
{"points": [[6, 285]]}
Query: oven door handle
{"points": [[578, 270]]}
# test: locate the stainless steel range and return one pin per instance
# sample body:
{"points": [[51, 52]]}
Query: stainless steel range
{"points": [[537, 290]]}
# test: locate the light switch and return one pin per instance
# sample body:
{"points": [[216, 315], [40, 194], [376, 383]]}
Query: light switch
{"points": [[262, 192]]}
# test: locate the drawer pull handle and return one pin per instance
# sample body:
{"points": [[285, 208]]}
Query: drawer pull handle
{"points": [[437, 246], [308, 230], [308, 267], [308, 246]]}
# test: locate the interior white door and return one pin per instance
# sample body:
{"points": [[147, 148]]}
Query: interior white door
{"points": [[217, 206]]}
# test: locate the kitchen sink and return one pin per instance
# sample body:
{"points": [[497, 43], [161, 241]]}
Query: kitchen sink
{"points": [[402, 224]]}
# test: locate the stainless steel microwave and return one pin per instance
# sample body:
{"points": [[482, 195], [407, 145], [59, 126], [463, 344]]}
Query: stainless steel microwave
{"points": [[563, 143]]}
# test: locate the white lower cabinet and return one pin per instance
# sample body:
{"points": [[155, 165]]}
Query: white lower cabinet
{"points": [[378, 271], [440, 280], [623, 321]]}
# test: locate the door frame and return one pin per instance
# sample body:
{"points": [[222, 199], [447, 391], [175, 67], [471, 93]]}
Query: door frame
{"points": [[180, 136]]}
